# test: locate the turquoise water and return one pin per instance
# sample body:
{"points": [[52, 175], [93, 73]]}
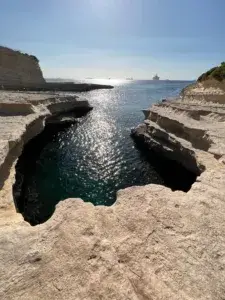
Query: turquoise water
{"points": [[97, 157]]}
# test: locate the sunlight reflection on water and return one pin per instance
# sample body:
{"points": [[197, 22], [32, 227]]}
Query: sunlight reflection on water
{"points": [[112, 81], [97, 157]]}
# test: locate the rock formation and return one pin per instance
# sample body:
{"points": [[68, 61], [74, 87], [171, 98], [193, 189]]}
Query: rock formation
{"points": [[18, 69], [187, 128], [23, 115], [151, 244], [21, 71]]}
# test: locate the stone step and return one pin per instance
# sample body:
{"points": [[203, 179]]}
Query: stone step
{"points": [[161, 133], [207, 133], [171, 146], [182, 126], [197, 112]]}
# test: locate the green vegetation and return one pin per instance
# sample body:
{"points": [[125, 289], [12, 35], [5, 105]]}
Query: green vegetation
{"points": [[217, 73], [34, 57], [26, 54]]}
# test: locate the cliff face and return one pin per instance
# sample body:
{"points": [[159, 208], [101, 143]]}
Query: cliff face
{"points": [[18, 69], [187, 128], [23, 116], [209, 90]]}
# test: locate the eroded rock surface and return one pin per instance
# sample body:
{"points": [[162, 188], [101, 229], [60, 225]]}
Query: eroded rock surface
{"points": [[151, 244], [23, 116], [19, 69], [186, 129], [191, 131]]}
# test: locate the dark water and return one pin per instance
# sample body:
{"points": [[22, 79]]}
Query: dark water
{"points": [[97, 157]]}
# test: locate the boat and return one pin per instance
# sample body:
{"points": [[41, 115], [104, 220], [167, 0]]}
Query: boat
{"points": [[156, 77], [129, 78]]}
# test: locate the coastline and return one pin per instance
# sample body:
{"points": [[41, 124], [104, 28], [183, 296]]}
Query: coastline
{"points": [[151, 242], [22, 117]]}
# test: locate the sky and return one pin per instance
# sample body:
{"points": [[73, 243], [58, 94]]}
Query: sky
{"points": [[178, 39]]}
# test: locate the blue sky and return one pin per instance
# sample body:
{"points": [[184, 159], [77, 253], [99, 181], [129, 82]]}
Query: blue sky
{"points": [[117, 38]]}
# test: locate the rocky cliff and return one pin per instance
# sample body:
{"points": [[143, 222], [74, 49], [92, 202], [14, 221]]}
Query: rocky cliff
{"points": [[151, 244], [22, 116], [190, 130], [18, 69]]}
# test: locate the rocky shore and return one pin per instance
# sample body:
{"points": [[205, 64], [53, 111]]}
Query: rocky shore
{"points": [[22, 117], [151, 244], [187, 129]]}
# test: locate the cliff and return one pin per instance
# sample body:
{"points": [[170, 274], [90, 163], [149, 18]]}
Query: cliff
{"points": [[190, 130], [22, 116], [18, 69], [21, 71], [151, 244]]}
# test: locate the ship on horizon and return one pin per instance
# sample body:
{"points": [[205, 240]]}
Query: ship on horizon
{"points": [[156, 77]]}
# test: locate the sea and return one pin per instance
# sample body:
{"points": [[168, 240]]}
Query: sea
{"points": [[97, 157]]}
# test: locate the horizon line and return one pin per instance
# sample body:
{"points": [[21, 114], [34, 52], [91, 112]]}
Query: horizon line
{"points": [[113, 78]]}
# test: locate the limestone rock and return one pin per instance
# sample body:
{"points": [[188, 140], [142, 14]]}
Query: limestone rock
{"points": [[19, 69], [185, 129], [209, 90], [23, 116], [151, 244]]}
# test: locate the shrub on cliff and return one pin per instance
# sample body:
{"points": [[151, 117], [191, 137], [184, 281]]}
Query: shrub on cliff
{"points": [[26, 54], [217, 73], [35, 58]]}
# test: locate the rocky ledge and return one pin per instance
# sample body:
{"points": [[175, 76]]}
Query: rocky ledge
{"points": [[23, 116], [151, 244], [190, 130]]}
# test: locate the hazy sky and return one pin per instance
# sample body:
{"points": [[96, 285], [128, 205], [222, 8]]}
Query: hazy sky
{"points": [[117, 38]]}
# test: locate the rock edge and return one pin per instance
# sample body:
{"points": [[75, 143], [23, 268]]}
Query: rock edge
{"points": [[151, 244]]}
